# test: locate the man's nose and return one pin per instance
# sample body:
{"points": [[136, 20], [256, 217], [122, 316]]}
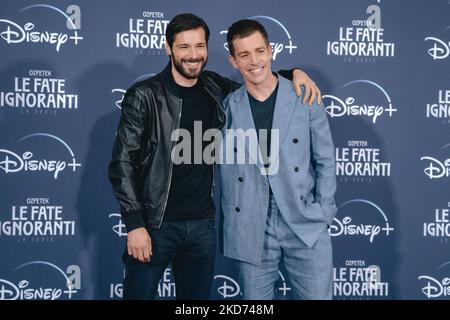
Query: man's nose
{"points": [[193, 54], [253, 59]]}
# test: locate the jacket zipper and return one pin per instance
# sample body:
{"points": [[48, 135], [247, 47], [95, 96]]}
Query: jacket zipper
{"points": [[214, 164], [171, 165], [219, 104]]}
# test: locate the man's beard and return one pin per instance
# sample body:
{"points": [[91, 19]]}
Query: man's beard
{"points": [[184, 71]]}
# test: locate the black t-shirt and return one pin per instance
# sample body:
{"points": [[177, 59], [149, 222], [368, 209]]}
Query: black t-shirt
{"points": [[191, 185], [262, 112]]}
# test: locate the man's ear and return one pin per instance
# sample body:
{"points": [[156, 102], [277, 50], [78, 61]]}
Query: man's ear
{"points": [[232, 60], [168, 50]]}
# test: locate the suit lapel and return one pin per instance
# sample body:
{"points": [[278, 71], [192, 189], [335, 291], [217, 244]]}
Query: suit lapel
{"points": [[243, 119], [284, 109]]}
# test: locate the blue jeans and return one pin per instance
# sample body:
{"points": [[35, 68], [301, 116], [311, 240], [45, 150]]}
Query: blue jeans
{"points": [[191, 248], [309, 270]]}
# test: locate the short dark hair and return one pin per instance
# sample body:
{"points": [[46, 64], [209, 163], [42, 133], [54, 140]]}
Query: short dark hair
{"points": [[242, 29], [184, 22]]}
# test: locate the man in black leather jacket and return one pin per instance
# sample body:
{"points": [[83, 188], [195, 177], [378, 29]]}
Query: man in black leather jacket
{"points": [[168, 208]]}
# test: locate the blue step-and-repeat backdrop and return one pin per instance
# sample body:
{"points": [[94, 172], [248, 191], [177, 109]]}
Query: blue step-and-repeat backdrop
{"points": [[384, 71]]}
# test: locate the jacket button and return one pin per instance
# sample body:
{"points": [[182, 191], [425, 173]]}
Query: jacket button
{"points": [[301, 198], [240, 179], [238, 209], [266, 165], [296, 169], [295, 140]]}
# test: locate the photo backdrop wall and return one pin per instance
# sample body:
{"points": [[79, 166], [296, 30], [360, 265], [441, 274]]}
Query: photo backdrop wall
{"points": [[383, 69]]}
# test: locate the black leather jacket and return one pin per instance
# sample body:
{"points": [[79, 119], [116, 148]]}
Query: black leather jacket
{"points": [[140, 170]]}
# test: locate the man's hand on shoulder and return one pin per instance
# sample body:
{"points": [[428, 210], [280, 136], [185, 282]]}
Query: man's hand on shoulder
{"points": [[311, 93]]}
